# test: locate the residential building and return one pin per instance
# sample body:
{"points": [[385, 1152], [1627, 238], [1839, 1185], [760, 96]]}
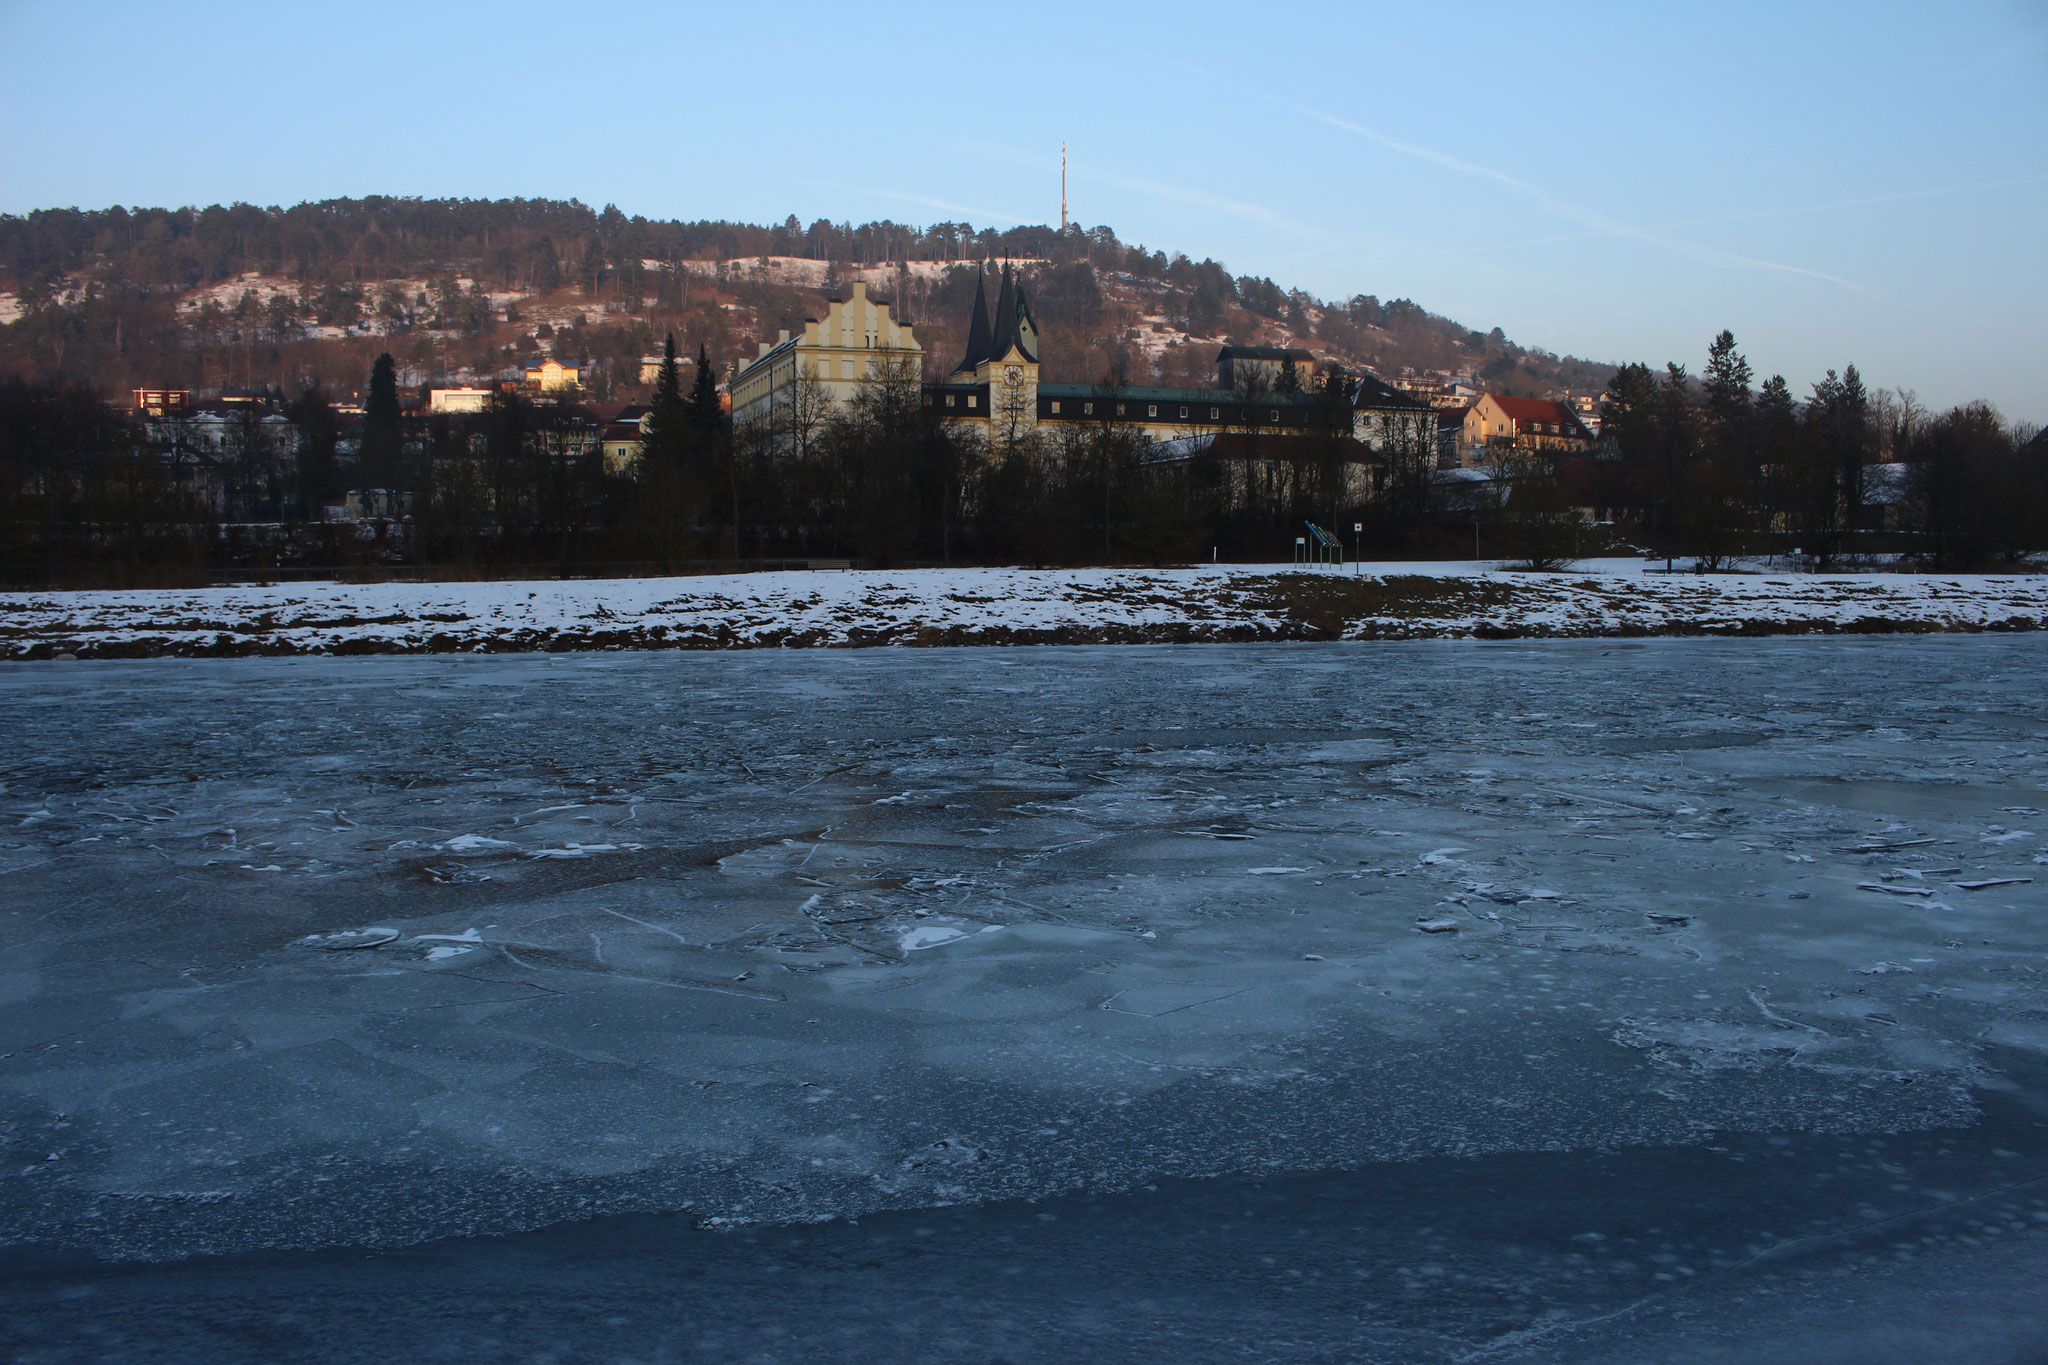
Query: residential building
{"points": [[1258, 369], [1389, 422], [1498, 421], [374, 504], [162, 402], [550, 375], [1587, 406], [458, 400], [623, 437], [239, 463], [1439, 390], [1248, 474]]}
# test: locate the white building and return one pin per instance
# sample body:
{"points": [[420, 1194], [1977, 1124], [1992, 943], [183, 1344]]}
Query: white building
{"points": [[458, 400]]}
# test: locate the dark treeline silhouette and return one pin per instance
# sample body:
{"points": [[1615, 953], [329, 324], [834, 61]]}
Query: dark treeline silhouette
{"points": [[1707, 468], [95, 495], [1714, 467]]}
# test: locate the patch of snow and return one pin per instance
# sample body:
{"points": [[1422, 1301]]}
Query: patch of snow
{"points": [[472, 843], [918, 937]]}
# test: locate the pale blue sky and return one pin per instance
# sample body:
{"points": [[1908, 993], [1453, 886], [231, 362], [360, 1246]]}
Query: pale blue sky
{"points": [[1860, 183]]}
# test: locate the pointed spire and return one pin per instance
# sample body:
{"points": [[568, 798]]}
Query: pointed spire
{"points": [[1006, 317], [1014, 325], [977, 328]]}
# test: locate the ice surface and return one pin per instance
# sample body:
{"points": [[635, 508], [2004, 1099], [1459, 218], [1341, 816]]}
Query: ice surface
{"points": [[764, 996]]}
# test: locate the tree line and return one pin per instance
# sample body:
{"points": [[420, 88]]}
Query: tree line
{"points": [[1709, 468], [1716, 466]]}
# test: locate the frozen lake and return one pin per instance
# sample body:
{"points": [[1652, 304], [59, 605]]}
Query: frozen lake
{"points": [[1418, 1002]]}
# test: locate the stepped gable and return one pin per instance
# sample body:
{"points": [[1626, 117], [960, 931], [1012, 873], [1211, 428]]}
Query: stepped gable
{"points": [[977, 329]]}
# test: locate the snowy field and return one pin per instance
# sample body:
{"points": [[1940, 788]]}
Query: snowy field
{"points": [[1597, 1000], [1003, 606]]}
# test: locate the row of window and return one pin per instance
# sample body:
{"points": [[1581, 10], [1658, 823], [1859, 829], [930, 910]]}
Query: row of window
{"points": [[1088, 408], [1152, 410]]}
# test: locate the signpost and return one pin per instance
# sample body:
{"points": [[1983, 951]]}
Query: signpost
{"points": [[1326, 550]]}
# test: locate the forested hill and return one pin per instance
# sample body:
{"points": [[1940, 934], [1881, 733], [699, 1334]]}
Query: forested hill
{"points": [[242, 296]]}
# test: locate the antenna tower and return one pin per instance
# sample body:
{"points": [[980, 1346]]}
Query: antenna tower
{"points": [[1063, 189]]}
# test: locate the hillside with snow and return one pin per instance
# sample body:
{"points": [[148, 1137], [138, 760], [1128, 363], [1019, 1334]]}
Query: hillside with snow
{"points": [[463, 290]]}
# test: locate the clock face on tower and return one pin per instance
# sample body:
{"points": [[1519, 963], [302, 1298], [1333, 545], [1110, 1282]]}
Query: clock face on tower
{"points": [[1013, 375]]}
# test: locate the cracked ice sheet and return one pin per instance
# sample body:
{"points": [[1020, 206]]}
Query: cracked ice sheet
{"points": [[859, 932]]}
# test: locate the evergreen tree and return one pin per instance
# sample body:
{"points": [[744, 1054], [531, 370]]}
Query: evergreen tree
{"points": [[1677, 450], [383, 401], [1727, 381], [665, 438], [1290, 377], [311, 413], [669, 495], [383, 427], [1775, 412], [1849, 433], [701, 409], [1817, 504], [668, 384]]}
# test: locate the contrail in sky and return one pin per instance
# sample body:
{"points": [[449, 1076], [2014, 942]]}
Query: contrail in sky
{"points": [[1258, 213], [944, 206], [1787, 211], [1599, 223]]}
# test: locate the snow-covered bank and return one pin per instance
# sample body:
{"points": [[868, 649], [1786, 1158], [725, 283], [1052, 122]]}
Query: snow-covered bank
{"points": [[1003, 606]]}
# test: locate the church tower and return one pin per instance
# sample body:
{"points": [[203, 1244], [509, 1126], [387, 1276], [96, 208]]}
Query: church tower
{"points": [[977, 331], [1010, 365]]}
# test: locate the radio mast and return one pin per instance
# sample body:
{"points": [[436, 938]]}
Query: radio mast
{"points": [[1063, 189]]}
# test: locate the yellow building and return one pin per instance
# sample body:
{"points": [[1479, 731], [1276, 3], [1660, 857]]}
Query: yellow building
{"points": [[1002, 359], [826, 363], [551, 375]]}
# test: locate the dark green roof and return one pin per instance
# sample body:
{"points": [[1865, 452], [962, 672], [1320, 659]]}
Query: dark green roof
{"points": [[977, 328], [1153, 394]]}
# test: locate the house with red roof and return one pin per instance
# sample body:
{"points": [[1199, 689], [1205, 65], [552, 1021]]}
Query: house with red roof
{"points": [[1498, 420]]}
